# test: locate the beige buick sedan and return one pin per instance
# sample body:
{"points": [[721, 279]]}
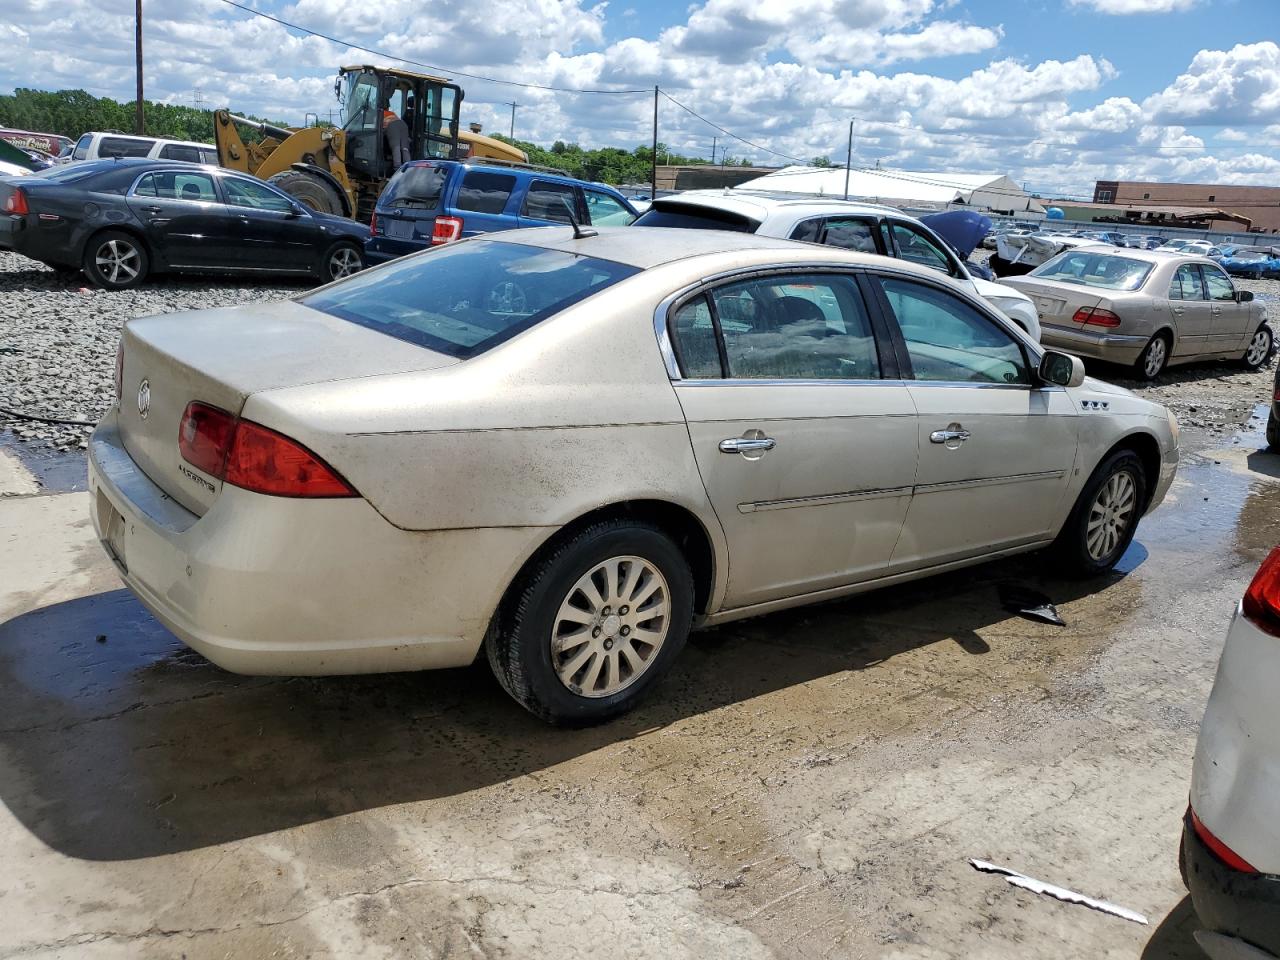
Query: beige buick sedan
{"points": [[570, 451], [1148, 308]]}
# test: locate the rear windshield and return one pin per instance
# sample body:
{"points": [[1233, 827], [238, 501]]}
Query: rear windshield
{"points": [[464, 298], [695, 217], [419, 185], [1094, 270]]}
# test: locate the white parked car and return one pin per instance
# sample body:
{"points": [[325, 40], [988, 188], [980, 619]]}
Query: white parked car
{"points": [[1230, 854], [103, 146], [566, 452], [863, 227], [1198, 248]]}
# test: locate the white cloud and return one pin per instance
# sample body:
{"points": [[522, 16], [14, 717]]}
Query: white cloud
{"points": [[1123, 7], [1239, 85]]}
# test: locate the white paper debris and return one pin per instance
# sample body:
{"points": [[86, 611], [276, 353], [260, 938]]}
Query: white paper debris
{"points": [[1061, 893]]}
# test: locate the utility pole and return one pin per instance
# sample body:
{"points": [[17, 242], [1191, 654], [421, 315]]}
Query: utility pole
{"points": [[713, 150], [848, 161], [513, 106], [197, 98], [653, 169], [137, 43]]}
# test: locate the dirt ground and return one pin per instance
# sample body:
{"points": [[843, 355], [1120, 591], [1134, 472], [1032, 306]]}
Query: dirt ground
{"points": [[809, 784]]}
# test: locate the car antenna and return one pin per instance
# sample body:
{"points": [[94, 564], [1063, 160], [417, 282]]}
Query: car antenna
{"points": [[578, 232]]}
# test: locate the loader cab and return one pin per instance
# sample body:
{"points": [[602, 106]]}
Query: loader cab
{"points": [[428, 105]]}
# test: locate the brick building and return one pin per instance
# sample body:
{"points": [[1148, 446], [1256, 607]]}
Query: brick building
{"points": [[1261, 205]]}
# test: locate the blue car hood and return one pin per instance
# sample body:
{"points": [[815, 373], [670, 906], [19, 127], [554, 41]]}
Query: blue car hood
{"points": [[963, 229]]}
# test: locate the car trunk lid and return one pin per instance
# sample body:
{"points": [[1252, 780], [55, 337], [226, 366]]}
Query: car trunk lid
{"points": [[1057, 303], [220, 357]]}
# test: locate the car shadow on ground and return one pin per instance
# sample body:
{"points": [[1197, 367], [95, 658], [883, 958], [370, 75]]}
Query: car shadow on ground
{"points": [[47, 280], [118, 742], [1174, 939]]}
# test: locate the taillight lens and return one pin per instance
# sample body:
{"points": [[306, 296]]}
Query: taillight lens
{"points": [[249, 455], [1220, 849], [1096, 316], [204, 437], [373, 222], [268, 462], [1261, 602], [17, 202], [446, 230]]}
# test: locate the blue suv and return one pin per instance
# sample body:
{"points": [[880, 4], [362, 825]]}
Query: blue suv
{"points": [[429, 202]]}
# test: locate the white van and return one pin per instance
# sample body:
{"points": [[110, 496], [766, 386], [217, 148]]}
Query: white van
{"points": [[100, 146]]}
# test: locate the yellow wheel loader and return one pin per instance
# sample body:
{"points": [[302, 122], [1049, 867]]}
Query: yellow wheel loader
{"points": [[389, 116]]}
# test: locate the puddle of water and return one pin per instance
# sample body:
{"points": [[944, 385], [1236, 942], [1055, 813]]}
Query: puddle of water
{"points": [[57, 472]]}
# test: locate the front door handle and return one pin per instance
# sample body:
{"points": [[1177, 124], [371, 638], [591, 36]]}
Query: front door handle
{"points": [[747, 444], [954, 435]]}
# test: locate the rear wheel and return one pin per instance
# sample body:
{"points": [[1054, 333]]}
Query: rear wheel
{"points": [[340, 260], [594, 623], [1153, 359], [114, 260], [1259, 349], [310, 190], [1105, 517]]}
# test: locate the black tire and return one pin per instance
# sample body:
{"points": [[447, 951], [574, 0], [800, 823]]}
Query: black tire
{"points": [[1273, 431], [310, 190], [115, 260], [1147, 366], [336, 263], [1072, 545], [519, 643], [1256, 355]]}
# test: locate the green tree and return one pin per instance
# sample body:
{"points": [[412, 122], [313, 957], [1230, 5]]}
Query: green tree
{"points": [[821, 162]]}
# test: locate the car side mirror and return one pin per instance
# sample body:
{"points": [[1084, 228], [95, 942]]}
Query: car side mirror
{"points": [[1244, 296], [295, 211], [1061, 369]]}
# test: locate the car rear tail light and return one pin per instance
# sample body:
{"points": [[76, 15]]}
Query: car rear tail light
{"points": [[17, 202], [1261, 602], [446, 230], [1220, 849], [249, 455], [1096, 316], [373, 223]]}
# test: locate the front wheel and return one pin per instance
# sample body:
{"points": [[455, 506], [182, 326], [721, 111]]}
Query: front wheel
{"points": [[114, 260], [1105, 517], [341, 260], [1259, 349], [594, 623], [1152, 360]]}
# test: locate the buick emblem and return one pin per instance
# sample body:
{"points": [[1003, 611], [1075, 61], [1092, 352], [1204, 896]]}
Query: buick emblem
{"points": [[144, 398]]}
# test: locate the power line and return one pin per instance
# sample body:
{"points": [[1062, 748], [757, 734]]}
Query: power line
{"points": [[711, 123], [418, 63]]}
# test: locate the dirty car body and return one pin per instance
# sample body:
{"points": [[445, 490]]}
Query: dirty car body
{"points": [[566, 452]]}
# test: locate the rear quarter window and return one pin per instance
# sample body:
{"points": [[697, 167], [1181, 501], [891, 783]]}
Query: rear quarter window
{"points": [[482, 192]]}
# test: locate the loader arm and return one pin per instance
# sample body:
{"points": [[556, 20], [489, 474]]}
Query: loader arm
{"points": [[281, 150]]}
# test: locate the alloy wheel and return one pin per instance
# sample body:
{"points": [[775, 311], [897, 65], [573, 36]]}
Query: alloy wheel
{"points": [[1110, 515], [610, 626], [343, 263], [1155, 357], [118, 261], [1259, 347]]}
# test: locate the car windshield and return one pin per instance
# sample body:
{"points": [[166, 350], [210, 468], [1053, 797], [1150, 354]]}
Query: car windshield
{"points": [[1094, 270], [464, 298], [695, 217]]}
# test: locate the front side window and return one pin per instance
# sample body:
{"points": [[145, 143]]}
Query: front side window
{"points": [[604, 211], [950, 341], [209, 156], [551, 201], [1186, 284], [124, 147], [246, 193], [796, 327], [1219, 284], [465, 298], [82, 147], [167, 185], [482, 192], [914, 247]]}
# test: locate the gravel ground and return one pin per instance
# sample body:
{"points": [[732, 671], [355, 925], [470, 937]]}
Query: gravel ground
{"points": [[58, 339]]}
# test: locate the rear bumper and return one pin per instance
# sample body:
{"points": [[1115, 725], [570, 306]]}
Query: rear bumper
{"points": [[382, 249], [1238, 906], [1108, 347], [273, 585]]}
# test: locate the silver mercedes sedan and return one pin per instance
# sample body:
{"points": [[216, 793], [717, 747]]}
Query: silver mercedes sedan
{"points": [[569, 450], [1148, 308]]}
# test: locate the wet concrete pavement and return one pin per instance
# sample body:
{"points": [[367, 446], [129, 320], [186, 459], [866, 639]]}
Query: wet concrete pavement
{"points": [[809, 784]]}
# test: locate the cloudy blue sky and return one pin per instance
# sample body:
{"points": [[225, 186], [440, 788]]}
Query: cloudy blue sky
{"points": [[1056, 93]]}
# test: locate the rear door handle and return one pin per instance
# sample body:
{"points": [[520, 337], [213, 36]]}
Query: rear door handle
{"points": [[951, 434], [747, 445]]}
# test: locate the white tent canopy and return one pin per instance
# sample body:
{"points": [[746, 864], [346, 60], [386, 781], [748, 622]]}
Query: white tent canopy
{"points": [[982, 191]]}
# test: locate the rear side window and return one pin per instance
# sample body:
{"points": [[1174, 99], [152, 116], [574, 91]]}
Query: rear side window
{"points": [[1186, 284], [692, 216], [177, 186], [465, 298], [551, 201], [124, 147], [82, 147], [483, 192], [177, 151], [418, 185], [851, 233]]}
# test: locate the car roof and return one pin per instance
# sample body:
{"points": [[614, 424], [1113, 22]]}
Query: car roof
{"points": [[758, 205], [655, 246], [513, 168]]}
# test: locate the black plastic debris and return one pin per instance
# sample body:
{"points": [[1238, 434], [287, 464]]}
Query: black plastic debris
{"points": [[1028, 603]]}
